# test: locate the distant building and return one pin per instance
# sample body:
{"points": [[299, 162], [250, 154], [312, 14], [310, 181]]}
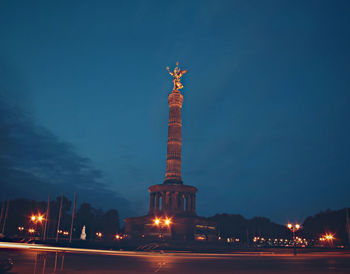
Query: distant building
{"points": [[172, 211]]}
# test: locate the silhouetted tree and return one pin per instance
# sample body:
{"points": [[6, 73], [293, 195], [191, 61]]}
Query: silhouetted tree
{"points": [[110, 223], [230, 225], [327, 222], [21, 210]]}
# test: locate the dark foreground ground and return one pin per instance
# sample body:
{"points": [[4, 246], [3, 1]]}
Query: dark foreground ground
{"points": [[42, 259]]}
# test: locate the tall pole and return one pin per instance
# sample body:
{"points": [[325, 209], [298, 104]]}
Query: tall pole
{"points": [[59, 218], [294, 243], [7, 211], [247, 231], [73, 216], [2, 212], [294, 228], [46, 217], [348, 224]]}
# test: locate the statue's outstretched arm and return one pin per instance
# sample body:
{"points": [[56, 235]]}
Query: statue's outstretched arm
{"points": [[169, 71]]}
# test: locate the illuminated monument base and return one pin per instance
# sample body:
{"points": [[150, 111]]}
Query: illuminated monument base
{"points": [[171, 215], [172, 210]]}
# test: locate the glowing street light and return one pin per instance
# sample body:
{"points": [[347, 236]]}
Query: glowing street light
{"points": [[98, 234], [294, 228], [167, 221], [162, 224], [157, 221], [119, 237], [37, 218], [327, 238]]}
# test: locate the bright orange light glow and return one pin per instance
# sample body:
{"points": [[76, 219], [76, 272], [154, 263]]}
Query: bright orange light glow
{"points": [[167, 221], [20, 228], [329, 237], [200, 238], [33, 218], [156, 221], [31, 230], [117, 236], [99, 234], [40, 218], [297, 226], [65, 233], [289, 226]]}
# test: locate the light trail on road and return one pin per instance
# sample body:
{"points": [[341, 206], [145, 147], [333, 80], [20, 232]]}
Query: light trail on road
{"points": [[160, 254], [34, 257]]}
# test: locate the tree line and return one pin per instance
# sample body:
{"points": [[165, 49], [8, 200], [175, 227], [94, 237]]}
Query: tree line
{"points": [[19, 212], [334, 222]]}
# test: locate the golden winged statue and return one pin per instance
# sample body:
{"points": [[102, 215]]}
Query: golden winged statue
{"points": [[177, 74]]}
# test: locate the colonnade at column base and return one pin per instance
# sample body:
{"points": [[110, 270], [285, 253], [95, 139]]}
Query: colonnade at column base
{"points": [[173, 199]]}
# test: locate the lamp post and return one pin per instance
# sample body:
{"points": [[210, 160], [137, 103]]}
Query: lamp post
{"points": [[36, 219], [294, 228], [328, 238], [160, 223]]}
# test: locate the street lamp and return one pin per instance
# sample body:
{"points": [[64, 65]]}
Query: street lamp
{"points": [[161, 224], [329, 238], [156, 221], [167, 221], [294, 228], [36, 219], [40, 218], [99, 235]]}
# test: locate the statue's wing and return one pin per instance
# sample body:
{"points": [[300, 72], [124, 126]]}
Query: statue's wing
{"points": [[182, 72]]}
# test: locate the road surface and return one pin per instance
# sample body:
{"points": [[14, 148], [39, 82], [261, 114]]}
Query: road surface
{"points": [[44, 259]]}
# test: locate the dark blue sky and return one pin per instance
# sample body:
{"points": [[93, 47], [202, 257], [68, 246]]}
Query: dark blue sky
{"points": [[266, 127]]}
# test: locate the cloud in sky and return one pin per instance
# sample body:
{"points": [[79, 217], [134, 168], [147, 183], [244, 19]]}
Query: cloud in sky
{"points": [[34, 162]]}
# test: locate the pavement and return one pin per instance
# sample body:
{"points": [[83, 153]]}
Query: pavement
{"points": [[36, 258]]}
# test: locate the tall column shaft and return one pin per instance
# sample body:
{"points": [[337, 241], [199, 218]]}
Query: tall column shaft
{"points": [[173, 171]]}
